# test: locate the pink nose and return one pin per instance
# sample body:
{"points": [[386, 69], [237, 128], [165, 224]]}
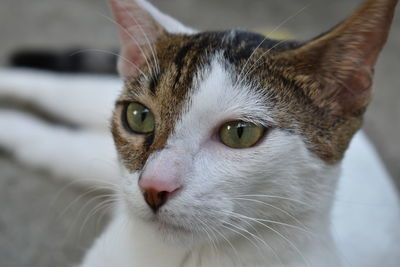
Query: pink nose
{"points": [[156, 192]]}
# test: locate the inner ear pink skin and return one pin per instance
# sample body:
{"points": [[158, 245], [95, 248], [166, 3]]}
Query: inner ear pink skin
{"points": [[160, 179]]}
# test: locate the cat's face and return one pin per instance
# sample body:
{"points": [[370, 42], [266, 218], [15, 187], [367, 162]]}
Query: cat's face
{"points": [[196, 91], [179, 172]]}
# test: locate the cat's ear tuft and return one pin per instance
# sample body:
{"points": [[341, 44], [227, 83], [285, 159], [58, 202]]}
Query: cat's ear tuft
{"points": [[335, 70], [140, 25]]}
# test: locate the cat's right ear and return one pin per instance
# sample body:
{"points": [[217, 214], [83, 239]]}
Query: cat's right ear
{"points": [[335, 70], [140, 25]]}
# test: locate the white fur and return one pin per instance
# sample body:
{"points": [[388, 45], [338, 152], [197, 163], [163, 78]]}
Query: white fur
{"points": [[365, 212]]}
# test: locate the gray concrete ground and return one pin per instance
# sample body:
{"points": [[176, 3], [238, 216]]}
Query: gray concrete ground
{"points": [[34, 228]]}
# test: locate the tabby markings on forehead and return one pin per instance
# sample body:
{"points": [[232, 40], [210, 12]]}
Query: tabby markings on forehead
{"points": [[183, 58]]}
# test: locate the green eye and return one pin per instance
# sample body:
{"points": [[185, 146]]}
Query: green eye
{"points": [[240, 134], [139, 118]]}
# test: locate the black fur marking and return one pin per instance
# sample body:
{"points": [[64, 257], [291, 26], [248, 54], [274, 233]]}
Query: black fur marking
{"points": [[154, 82], [244, 43], [148, 141]]}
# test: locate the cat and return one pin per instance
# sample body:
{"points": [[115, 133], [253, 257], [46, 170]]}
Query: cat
{"points": [[229, 145]]}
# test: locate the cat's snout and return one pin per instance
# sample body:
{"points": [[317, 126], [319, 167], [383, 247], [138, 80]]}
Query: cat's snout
{"points": [[162, 178], [156, 192]]}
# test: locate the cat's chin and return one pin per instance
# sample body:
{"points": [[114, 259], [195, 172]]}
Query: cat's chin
{"points": [[174, 234]]}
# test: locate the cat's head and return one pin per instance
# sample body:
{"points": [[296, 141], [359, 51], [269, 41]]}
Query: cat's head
{"points": [[217, 130]]}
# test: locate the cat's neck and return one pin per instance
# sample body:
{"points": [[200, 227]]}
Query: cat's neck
{"points": [[275, 246]]}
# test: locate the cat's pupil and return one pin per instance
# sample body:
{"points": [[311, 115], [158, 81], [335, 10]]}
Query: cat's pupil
{"points": [[240, 131], [144, 114]]}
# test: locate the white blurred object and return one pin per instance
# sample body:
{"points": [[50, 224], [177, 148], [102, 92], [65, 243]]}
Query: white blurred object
{"points": [[85, 100]]}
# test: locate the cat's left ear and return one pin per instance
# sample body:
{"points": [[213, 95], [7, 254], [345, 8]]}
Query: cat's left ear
{"points": [[335, 70], [140, 25]]}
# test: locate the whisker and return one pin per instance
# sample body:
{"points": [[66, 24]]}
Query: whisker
{"points": [[274, 207], [77, 199], [93, 212], [153, 51], [228, 242], [278, 197], [253, 67], [130, 36], [239, 233], [79, 215], [277, 233], [207, 233], [101, 217], [79, 182], [247, 232], [256, 238]]}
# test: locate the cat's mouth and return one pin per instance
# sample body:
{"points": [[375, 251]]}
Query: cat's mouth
{"points": [[177, 225], [174, 230]]}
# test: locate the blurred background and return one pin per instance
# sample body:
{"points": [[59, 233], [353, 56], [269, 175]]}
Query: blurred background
{"points": [[32, 231]]}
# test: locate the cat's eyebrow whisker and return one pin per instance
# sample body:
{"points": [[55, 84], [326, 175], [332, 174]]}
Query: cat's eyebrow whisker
{"points": [[271, 32], [132, 38], [114, 54], [253, 67]]}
